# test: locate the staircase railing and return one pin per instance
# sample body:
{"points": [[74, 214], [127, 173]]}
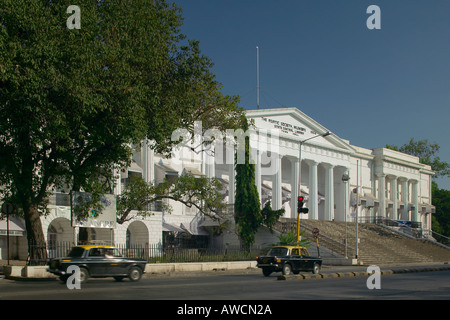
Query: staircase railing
{"points": [[412, 230], [434, 236]]}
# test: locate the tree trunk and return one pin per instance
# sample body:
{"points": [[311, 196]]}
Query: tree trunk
{"points": [[37, 248]]}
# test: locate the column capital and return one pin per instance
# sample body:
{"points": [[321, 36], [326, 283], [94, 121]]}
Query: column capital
{"points": [[327, 165], [311, 162]]}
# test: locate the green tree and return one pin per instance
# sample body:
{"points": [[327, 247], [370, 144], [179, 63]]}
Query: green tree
{"points": [[269, 216], [74, 101], [427, 153], [199, 192], [247, 206], [441, 219]]}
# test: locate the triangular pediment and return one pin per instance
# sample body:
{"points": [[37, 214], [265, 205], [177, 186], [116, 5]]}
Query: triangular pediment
{"points": [[295, 125]]}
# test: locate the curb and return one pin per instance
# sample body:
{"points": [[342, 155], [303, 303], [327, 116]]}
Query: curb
{"points": [[30, 279], [24, 273], [358, 274], [39, 273]]}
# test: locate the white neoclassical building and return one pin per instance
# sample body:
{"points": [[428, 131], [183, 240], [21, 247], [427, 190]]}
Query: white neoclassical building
{"points": [[292, 154], [386, 183]]}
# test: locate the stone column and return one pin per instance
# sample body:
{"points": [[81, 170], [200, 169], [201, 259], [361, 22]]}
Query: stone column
{"points": [[329, 192], [294, 186], [276, 184], [118, 184], [231, 183], [211, 173], [208, 161], [405, 212], [394, 197], [229, 161], [415, 200], [382, 195], [313, 204]]}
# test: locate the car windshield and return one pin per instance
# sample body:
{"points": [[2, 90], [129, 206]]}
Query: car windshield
{"points": [[278, 252], [76, 252]]}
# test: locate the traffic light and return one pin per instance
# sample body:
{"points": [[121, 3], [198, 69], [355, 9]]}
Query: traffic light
{"points": [[300, 203]]}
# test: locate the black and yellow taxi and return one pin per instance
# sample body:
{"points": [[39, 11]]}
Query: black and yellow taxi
{"points": [[97, 261], [288, 259]]}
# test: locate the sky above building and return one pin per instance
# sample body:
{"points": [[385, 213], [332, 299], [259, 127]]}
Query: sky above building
{"points": [[370, 86]]}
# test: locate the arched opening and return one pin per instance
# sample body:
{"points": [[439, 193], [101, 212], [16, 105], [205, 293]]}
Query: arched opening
{"points": [[59, 237], [137, 234]]}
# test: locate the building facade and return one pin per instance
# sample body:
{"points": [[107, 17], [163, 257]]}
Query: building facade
{"points": [[293, 154]]}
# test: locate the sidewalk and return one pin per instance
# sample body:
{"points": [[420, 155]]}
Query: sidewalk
{"points": [[12, 263]]}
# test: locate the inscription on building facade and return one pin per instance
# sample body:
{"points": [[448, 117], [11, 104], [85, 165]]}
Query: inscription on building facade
{"points": [[287, 128]]}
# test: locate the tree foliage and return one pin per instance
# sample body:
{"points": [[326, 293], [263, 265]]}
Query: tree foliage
{"points": [[427, 153], [441, 219], [247, 207], [291, 238], [269, 216], [74, 101], [199, 192]]}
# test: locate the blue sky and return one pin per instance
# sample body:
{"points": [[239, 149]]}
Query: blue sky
{"points": [[372, 87]]}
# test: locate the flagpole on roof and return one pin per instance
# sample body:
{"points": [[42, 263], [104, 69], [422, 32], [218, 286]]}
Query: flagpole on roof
{"points": [[257, 78]]}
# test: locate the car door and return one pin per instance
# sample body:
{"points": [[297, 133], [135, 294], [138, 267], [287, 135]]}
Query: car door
{"points": [[295, 259], [96, 262], [116, 263], [305, 261]]}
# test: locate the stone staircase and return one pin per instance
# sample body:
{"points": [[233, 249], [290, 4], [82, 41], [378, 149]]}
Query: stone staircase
{"points": [[377, 245]]}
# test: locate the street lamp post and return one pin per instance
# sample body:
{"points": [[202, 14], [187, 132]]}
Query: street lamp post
{"points": [[345, 179], [357, 205]]}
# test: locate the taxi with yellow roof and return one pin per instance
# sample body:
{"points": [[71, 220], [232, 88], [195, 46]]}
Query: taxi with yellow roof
{"points": [[288, 259], [96, 261]]}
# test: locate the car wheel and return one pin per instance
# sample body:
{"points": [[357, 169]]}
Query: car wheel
{"points": [[266, 272], [287, 269], [135, 274], [84, 275], [316, 268]]}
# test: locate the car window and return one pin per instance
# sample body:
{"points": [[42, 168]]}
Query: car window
{"points": [[113, 253], [97, 252], [278, 252], [304, 252], [76, 252], [295, 252]]}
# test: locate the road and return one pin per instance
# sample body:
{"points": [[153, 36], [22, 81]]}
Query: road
{"points": [[236, 286]]}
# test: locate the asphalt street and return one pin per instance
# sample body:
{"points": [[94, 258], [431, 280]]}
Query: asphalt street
{"points": [[239, 285]]}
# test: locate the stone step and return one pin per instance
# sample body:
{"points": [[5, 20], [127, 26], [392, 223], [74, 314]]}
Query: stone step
{"points": [[377, 244]]}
